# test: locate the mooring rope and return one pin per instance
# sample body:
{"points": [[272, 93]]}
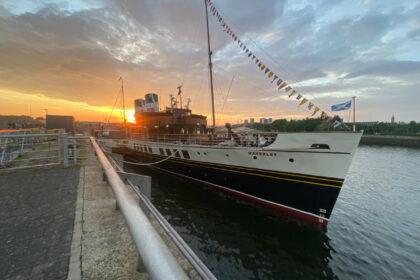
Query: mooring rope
{"points": [[148, 163]]}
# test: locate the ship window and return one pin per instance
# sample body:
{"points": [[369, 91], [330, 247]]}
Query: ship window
{"points": [[177, 154], [255, 157], [198, 153], [320, 146], [150, 150], [291, 160], [205, 153], [168, 152], [227, 155], [161, 151], [185, 154]]}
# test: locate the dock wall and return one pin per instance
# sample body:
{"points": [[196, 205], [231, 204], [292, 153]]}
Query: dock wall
{"points": [[391, 140]]}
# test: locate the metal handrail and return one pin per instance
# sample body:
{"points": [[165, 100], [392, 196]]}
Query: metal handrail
{"points": [[188, 253], [156, 257], [28, 135]]}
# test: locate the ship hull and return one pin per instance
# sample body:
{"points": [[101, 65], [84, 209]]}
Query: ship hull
{"points": [[301, 198], [302, 183]]}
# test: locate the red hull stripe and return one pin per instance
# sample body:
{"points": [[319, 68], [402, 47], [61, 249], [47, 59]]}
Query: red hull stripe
{"points": [[289, 211]]}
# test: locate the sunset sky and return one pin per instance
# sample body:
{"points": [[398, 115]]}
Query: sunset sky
{"points": [[67, 56]]}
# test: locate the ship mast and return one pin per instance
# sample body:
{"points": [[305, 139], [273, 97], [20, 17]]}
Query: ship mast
{"points": [[122, 93], [123, 104], [210, 67]]}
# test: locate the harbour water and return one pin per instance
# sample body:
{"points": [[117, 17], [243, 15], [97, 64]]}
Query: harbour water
{"points": [[374, 232]]}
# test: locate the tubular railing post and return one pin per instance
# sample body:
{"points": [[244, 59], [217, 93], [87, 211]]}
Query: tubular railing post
{"points": [[75, 151], [65, 151], [23, 142], [60, 151], [4, 150]]}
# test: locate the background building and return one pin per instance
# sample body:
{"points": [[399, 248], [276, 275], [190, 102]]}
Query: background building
{"points": [[56, 122]]}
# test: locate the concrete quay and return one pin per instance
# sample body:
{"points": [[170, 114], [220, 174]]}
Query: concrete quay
{"points": [[391, 140], [62, 223]]}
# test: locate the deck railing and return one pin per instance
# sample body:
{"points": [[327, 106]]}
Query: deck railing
{"points": [[224, 139]]}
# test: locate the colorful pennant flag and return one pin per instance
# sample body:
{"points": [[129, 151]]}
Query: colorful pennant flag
{"points": [[304, 100], [275, 78], [282, 85], [279, 82], [315, 111], [262, 67], [292, 93], [310, 105], [288, 88], [298, 97], [270, 74], [267, 70]]}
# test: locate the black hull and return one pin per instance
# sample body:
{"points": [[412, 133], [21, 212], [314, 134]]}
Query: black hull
{"points": [[306, 197]]}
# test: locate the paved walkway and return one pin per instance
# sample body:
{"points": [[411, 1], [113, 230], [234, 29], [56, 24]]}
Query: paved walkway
{"points": [[58, 223], [36, 222], [102, 247]]}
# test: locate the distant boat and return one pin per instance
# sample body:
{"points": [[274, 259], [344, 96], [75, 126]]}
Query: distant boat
{"points": [[299, 174]]}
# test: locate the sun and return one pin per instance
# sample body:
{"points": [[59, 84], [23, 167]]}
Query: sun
{"points": [[129, 114]]}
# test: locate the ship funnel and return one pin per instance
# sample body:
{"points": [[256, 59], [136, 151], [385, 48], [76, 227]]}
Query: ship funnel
{"points": [[152, 102], [139, 105]]}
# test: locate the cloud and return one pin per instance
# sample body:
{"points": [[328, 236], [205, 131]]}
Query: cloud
{"points": [[388, 69], [76, 51], [414, 34]]}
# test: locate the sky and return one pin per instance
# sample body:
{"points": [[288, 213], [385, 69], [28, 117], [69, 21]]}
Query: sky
{"points": [[67, 56]]}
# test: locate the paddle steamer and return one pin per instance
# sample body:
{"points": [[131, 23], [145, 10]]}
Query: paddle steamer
{"points": [[300, 174]]}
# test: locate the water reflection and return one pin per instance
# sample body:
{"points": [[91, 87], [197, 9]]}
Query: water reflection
{"points": [[237, 240]]}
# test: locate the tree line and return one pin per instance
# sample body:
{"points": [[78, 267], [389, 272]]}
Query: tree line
{"points": [[317, 124]]}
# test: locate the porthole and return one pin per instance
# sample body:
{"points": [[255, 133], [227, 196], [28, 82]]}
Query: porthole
{"points": [[255, 157], [198, 153], [227, 155], [205, 153], [291, 160]]}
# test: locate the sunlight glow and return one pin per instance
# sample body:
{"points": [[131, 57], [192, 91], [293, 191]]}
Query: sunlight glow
{"points": [[129, 114]]}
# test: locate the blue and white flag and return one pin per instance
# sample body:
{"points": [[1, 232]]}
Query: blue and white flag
{"points": [[341, 106]]}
